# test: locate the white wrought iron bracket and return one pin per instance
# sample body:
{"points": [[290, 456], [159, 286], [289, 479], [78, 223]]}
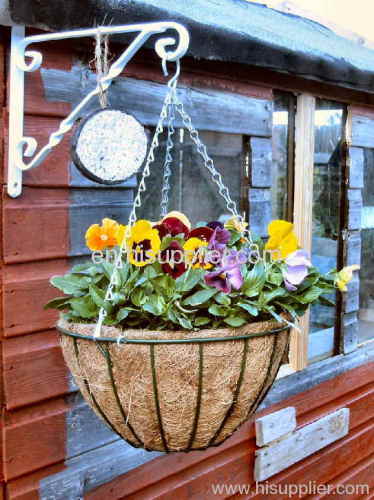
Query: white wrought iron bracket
{"points": [[20, 146]]}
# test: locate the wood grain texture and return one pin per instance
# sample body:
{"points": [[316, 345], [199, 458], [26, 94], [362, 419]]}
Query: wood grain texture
{"points": [[38, 223], [34, 369], [303, 207], [26, 289]]}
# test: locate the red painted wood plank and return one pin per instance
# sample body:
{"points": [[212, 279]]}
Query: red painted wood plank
{"points": [[36, 225], [56, 55], [34, 437], [26, 289], [361, 475], [34, 369], [367, 111], [54, 171], [27, 487], [345, 388]]}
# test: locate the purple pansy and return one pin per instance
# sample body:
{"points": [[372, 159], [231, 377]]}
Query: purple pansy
{"points": [[296, 271], [214, 224], [227, 276], [219, 239]]}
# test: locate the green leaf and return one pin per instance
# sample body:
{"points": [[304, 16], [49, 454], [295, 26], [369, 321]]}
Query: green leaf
{"points": [[235, 236], [70, 284], [199, 297], [254, 281], [138, 297], [250, 308], [84, 307], [326, 301], [189, 280], [273, 294], [311, 295], [222, 298], [235, 321], [217, 310], [155, 305], [122, 314], [185, 323], [275, 278], [202, 320], [98, 297], [57, 303]]}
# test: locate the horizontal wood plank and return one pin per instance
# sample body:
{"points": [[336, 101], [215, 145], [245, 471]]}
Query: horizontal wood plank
{"points": [[36, 225], [34, 369], [362, 131], [210, 109], [26, 289]]}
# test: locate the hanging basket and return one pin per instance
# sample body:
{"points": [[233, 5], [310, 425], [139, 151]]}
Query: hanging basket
{"points": [[174, 390]]}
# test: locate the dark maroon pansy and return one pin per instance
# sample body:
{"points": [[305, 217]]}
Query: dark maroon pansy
{"points": [[203, 233], [172, 259], [171, 226], [214, 224]]}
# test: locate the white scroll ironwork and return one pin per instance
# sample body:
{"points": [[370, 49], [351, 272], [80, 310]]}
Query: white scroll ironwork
{"points": [[20, 146]]}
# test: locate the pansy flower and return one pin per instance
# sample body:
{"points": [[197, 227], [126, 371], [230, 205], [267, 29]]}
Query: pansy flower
{"points": [[171, 226], [203, 233], [344, 276], [108, 235], [282, 240], [214, 224], [297, 268], [236, 224], [172, 259], [143, 243], [195, 250], [227, 276], [219, 239]]}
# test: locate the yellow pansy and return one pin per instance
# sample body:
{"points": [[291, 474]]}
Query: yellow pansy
{"points": [[194, 255], [104, 236], [178, 215], [143, 244], [282, 240], [236, 224], [344, 277]]}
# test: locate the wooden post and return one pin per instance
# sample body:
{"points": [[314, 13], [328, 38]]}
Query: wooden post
{"points": [[303, 209]]}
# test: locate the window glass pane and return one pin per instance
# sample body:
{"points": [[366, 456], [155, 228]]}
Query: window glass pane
{"points": [[192, 190], [328, 170], [366, 313], [282, 145]]}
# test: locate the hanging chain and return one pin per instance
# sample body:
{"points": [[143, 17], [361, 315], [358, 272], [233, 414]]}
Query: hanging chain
{"points": [[137, 203], [208, 162], [168, 158]]}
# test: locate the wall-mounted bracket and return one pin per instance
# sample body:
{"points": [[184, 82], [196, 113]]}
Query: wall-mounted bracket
{"points": [[20, 146]]}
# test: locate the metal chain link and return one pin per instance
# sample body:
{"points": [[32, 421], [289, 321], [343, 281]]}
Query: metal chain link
{"points": [[208, 162], [168, 158]]}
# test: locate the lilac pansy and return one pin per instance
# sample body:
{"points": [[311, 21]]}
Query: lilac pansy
{"points": [[297, 269], [227, 276]]}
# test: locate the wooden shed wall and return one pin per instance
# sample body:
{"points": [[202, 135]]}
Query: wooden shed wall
{"points": [[46, 425]]}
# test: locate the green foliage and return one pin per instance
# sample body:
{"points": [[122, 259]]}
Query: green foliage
{"points": [[147, 298]]}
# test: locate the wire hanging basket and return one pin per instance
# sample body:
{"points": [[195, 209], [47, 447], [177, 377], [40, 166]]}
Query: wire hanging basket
{"points": [[173, 390]]}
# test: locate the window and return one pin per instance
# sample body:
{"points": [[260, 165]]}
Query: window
{"points": [[366, 312]]}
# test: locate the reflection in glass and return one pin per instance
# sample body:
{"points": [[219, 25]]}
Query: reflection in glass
{"points": [[282, 145], [192, 190], [328, 170], [366, 313]]}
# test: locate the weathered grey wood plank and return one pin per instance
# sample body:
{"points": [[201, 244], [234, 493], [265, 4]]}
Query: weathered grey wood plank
{"points": [[351, 299], [349, 336], [261, 161], [275, 425], [353, 248], [301, 444], [356, 167], [210, 109], [259, 210], [354, 198], [90, 206], [362, 131]]}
